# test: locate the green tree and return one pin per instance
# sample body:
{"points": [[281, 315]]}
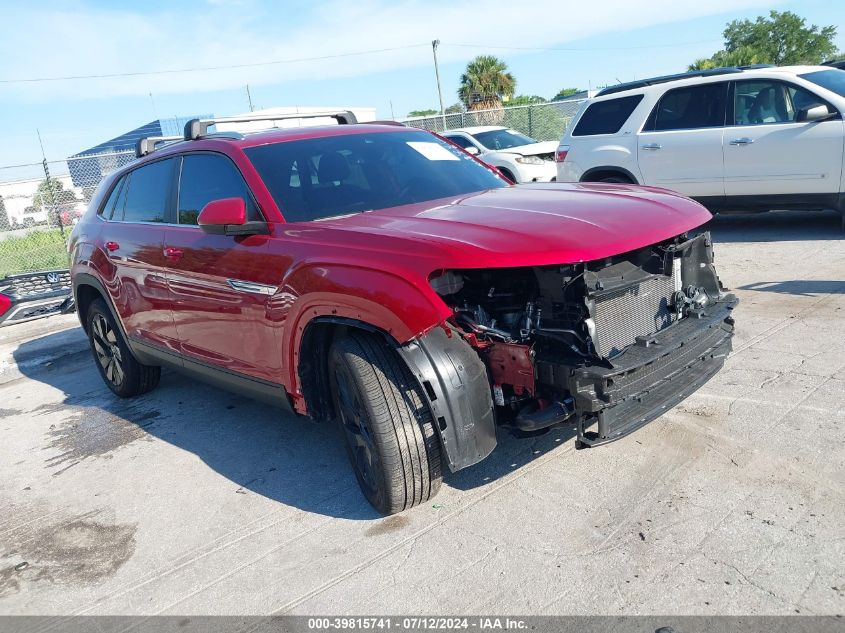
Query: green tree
{"points": [[743, 56], [782, 38], [563, 93], [427, 112], [455, 108], [51, 192], [485, 83], [519, 100]]}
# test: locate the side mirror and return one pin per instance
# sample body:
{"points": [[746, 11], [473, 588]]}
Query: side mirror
{"points": [[815, 113], [472, 150], [227, 216]]}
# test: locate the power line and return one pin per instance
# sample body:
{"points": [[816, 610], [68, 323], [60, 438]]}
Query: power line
{"points": [[207, 68], [171, 71], [581, 49]]}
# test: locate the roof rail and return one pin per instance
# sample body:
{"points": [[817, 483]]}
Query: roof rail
{"points": [[147, 145], [198, 128], [642, 83]]}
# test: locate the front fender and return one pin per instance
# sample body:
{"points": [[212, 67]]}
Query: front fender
{"points": [[384, 300]]}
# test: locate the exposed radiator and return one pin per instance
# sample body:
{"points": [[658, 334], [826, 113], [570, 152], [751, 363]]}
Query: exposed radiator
{"points": [[638, 309]]}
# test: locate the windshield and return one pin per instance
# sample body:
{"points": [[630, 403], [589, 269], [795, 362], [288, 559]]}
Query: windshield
{"points": [[502, 139], [833, 80], [338, 175]]}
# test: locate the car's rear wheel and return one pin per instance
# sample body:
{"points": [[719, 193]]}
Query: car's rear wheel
{"points": [[388, 428], [616, 179], [121, 372]]}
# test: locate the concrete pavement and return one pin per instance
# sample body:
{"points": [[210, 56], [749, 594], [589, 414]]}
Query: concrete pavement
{"points": [[190, 500]]}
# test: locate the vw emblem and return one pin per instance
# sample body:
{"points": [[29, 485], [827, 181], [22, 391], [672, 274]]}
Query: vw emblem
{"points": [[52, 278]]}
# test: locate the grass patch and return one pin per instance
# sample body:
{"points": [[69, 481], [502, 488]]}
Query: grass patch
{"points": [[38, 250]]}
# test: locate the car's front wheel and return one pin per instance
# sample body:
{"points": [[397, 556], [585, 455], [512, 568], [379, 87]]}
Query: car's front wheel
{"points": [[388, 428], [121, 372]]}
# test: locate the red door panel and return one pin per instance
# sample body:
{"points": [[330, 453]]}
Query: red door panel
{"points": [[220, 287], [137, 283]]}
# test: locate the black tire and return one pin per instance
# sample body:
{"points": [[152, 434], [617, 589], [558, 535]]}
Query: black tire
{"points": [[507, 174], [387, 427], [616, 179], [121, 372]]}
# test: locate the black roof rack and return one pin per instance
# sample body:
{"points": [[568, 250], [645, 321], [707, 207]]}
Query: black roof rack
{"points": [[147, 145], [642, 83], [198, 128]]}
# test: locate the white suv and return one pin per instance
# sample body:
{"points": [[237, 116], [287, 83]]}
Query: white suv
{"points": [[751, 139], [518, 157]]}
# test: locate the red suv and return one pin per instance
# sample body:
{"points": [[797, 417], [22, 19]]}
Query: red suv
{"points": [[382, 277]]}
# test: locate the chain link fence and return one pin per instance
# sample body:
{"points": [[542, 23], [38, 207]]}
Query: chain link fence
{"points": [[541, 121], [39, 204]]}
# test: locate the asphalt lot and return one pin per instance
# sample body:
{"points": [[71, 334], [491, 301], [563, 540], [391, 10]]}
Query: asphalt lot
{"points": [[190, 500]]}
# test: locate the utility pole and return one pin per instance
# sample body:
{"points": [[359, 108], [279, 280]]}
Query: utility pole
{"points": [[53, 208], [249, 98], [434, 45]]}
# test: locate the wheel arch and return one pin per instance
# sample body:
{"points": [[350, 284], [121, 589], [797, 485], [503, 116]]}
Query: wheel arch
{"points": [[312, 364], [86, 290], [595, 174]]}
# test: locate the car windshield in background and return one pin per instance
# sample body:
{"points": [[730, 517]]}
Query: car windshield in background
{"points": [[833, 80], [503, 139], [338, 175]]}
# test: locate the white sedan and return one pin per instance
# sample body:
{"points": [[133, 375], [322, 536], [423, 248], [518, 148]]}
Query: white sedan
{"points": [[519, 157]]}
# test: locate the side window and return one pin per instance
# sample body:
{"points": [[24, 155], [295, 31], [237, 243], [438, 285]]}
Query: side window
{"points": [[144, 195], [606, 117], [207, 177], [461, 141], [116, 194], [763, 101], [689, 108]]}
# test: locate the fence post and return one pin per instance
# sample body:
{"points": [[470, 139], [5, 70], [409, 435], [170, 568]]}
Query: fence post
{"points": [[531, 121], [53, 206]]}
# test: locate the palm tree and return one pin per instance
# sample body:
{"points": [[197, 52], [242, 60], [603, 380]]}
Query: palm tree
{"points": [[485, 82]]}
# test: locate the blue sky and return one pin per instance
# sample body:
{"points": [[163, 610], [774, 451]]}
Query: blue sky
{"points": [[609, 42]]}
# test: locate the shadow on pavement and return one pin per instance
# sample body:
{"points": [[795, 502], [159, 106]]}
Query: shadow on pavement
{"points": [[802, 287], [257, 447], [776, 226]]}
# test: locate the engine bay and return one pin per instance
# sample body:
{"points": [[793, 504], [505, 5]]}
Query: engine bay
{"points": [[575, 315]]}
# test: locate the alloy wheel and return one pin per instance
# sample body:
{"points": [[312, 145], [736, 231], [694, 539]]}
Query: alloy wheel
{"points": [[104, 340]]}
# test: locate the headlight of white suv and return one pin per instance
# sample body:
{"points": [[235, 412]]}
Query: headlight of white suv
{"points": [[530, 160]]}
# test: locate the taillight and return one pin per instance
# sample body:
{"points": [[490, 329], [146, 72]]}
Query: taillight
{"points": [[561, 153], [5, 304]]}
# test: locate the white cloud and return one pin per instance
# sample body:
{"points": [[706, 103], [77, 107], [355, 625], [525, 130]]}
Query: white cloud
{"points": [[83, 40]]}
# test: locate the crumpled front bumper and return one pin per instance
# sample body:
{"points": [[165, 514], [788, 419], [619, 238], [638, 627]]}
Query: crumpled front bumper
{"points": [[652, 375]]}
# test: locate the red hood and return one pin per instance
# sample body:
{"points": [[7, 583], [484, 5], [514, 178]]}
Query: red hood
{"points": [[527, 225]]}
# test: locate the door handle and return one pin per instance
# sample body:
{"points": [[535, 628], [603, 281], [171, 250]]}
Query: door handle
{"points": [[173, 254], [742, 141], [111, 247], [652, 146]]}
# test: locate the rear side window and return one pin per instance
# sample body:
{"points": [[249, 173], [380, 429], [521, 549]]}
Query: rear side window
{"points": [[207, 177], [688, 108], [108, 208], [606, 117], [461, 141], [144, 193]]}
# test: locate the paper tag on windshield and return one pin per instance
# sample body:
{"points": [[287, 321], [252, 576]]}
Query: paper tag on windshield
{"points": [[432, 151]]}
